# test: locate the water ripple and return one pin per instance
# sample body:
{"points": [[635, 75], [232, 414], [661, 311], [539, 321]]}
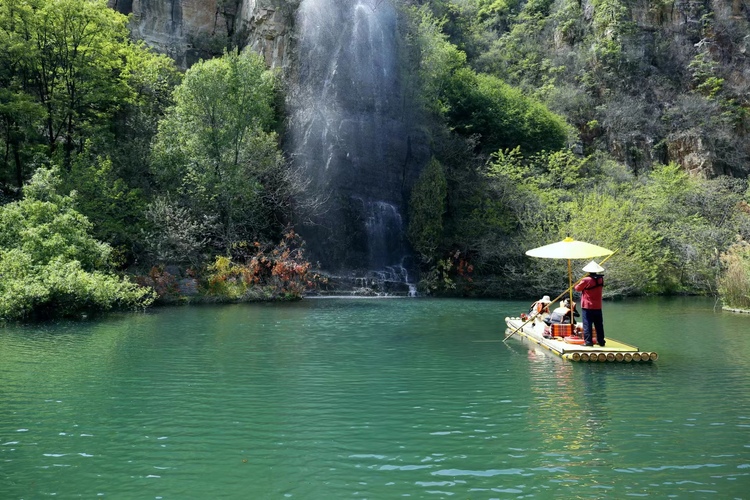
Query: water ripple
{"points": [[377, 399]]}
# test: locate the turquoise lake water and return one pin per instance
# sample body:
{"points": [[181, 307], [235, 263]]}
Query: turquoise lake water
{"points": [[372, 398]]}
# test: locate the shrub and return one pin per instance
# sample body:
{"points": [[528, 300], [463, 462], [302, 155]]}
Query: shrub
{"points": [[426, 211], [49, 262], [269, 271], [734, 282]]}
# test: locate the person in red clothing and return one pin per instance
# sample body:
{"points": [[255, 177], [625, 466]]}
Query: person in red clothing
{"points": [[591, 303]]}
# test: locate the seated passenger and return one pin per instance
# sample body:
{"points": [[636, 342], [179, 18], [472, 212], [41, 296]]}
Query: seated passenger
{"points": [[562, 313], [540, 307]]}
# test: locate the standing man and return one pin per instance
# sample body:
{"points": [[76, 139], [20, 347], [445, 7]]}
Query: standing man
{"points": [[591, 302]]}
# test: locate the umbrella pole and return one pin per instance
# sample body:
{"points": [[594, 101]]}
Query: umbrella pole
{"points": [[570, 289]]}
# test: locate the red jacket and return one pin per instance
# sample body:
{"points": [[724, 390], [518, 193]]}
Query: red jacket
{"points": [[591, 292]]}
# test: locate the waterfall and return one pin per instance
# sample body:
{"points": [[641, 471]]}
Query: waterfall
{"points": [[349, 132]]}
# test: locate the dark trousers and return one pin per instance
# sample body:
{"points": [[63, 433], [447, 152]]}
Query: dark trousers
{"points": [[593, 317]]}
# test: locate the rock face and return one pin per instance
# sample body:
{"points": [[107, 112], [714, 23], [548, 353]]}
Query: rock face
{"points": [[667, 37], [352, 130], [190, 30]]}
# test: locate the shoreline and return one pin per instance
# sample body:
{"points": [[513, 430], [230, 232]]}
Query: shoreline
{"points": [[735, 310]]}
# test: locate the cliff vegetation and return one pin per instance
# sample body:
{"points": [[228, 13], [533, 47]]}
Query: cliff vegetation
{"points": [[619, 122], [655, 161]]}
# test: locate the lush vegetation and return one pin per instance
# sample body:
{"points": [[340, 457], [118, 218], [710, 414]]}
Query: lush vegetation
{"points": [[216, 159], [546, 121], [734, 283], [168, 174], [523, 180], [49, 262]]}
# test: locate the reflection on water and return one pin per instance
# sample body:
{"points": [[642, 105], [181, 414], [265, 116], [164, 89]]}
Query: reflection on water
{"points": [[372, 399]]}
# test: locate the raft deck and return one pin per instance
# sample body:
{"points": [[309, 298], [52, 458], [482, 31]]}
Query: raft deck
{"points": [[614, 351]]}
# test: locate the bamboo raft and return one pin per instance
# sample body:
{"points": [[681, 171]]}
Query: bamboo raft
{"points": [[613, 352]]}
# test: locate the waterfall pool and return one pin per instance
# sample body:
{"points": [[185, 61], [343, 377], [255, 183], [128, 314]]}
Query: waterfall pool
{"points": [[372, 398]]}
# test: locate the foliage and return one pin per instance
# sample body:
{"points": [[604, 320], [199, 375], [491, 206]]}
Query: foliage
{"points": [[151, 79], [696, 219], [51, 266], [480, 104], [77, 92], [67, 53], [262, 271], [734, 282], [215, 152], [449, 274], [501, 115], [667, 226], [627, 69], [616, 222], [164, 283], [173, 235], [114, 209], [426, 211], [438, 59]]}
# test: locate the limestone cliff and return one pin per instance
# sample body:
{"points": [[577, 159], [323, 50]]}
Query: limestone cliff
{"points": [[689, 89], [189, 30]]}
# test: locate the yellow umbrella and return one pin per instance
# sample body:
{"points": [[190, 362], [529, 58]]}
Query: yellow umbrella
{"points": [[569, 249]]}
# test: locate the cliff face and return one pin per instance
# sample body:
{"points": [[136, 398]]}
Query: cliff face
{"points": [[693, 65], [657, 111], [189, 30]]}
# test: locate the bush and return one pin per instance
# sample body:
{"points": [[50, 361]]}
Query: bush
{"points": [[734, 282], [49, 262], [268, 272], [503, 117]]}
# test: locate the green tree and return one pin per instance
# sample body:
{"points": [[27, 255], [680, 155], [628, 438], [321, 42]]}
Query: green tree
{"points": [[70, 76], [50, 264], [426, 210], [501, 115], [482, 105], [113, 207], [73, 66], [216, 150], [619, 223], [20, 114]]}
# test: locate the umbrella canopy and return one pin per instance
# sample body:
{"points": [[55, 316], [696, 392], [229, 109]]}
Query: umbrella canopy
{"points": [[569, 249]]}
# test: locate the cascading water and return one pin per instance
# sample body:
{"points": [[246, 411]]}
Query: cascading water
{"points": [[351, 132]]}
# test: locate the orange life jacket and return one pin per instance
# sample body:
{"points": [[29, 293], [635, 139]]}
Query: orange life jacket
{"points": [[540, 307]]}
